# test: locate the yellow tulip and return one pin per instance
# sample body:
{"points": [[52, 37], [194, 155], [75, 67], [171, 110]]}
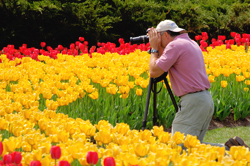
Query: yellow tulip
{"points": [[246, 89], [102, 123], [138, 92], [145, 135], [42, 124], [105, 136], [9, 145], [157, 130], [3, 124], [9, 109], [37, 154], [63, 136], [141, 149], [164, 137], [120, 139], [45, 161], [45, 147], [94, 95], [211, 78], [124, 96], [240, 78], [191, 141], [238, 152], [178, 137], [83, 161], [223, 84], [121, 128], [131, 84], [247, 82], [17, 131]]}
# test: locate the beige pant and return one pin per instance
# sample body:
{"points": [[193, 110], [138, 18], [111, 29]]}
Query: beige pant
{"points": [[194, 114]]}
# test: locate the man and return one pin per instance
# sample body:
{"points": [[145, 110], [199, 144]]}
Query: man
{"points": [[172, 50]]}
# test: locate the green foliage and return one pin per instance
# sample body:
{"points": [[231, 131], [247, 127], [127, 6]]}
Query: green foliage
{"points": [[63, 21]]}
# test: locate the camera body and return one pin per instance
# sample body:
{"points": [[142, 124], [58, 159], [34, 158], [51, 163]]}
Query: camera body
{"points": [[140, 39]]}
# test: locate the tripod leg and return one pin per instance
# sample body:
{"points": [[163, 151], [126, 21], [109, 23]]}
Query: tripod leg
{"points": [[155, 103], [171, 94], [147, 104]]}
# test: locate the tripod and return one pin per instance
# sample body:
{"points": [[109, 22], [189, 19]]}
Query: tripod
{"points": [[153, 86]]}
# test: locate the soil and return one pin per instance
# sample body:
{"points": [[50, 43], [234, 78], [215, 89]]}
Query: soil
{"points": [[229, 122]]}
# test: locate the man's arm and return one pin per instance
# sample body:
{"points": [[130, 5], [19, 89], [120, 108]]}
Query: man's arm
{"points": [[154, 70]]}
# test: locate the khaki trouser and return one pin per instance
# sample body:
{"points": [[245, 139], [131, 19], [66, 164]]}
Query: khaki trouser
{"points": [[194, 114]]}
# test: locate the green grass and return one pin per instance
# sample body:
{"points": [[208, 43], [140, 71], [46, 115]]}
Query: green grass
{"points": [[221, 135]]}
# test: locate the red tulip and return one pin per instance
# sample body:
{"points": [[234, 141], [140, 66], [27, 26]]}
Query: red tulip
{"points": [[35, 163], [204, 34], [1, 148], [231, 41], [77, 43], [63, 163], [81, 39], [85, 43], [233, 34], [43, 44], [109, 161], [16, 157], [198, 37], [72, 46], [55, 152], [60, 47], [228, 46], [204, 44], [92, 157], [7, 159]]}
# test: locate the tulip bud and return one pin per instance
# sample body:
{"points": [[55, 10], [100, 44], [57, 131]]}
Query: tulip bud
{"points": [[55, 152], [16, 157], [63, 163], [92, 157], [109, 161], [81, 39], [43, 44], [7, 159], [35, 163]]}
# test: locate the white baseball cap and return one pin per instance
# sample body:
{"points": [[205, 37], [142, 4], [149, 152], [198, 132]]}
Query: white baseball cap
{"points": [[168, 25]]}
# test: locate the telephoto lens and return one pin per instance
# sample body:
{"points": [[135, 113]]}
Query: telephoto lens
{"points": [[139, 39]]}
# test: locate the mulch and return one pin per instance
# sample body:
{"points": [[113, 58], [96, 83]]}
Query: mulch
{"points": [[229, 122]]}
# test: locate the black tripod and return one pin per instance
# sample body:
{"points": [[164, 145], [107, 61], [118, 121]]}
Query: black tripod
{"points": [[153, 86]]}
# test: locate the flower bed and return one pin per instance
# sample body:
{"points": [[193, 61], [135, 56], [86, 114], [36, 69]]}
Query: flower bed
{"points": [[90, 104]]}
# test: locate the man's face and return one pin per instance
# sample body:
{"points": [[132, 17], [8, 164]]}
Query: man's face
{"points": [[165, 38]]}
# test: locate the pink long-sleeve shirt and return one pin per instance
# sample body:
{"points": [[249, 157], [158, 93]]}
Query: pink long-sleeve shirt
{"points": [[183, 59]]}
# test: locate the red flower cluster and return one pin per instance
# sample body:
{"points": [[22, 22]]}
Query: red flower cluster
{"points": [[236, 38], [78, 48], [12, 159]]}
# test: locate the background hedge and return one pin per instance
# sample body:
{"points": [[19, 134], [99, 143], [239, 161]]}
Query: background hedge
{"points": [[63, 21]]}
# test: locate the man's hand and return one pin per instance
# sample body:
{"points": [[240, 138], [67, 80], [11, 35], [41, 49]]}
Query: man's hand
{"points": [[154, 39]]}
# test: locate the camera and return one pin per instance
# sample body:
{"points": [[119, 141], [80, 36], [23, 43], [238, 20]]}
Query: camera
{"points": [[140, 39]]}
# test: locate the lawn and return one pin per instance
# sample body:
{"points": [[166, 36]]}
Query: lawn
{"points": [[221, 135]]}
